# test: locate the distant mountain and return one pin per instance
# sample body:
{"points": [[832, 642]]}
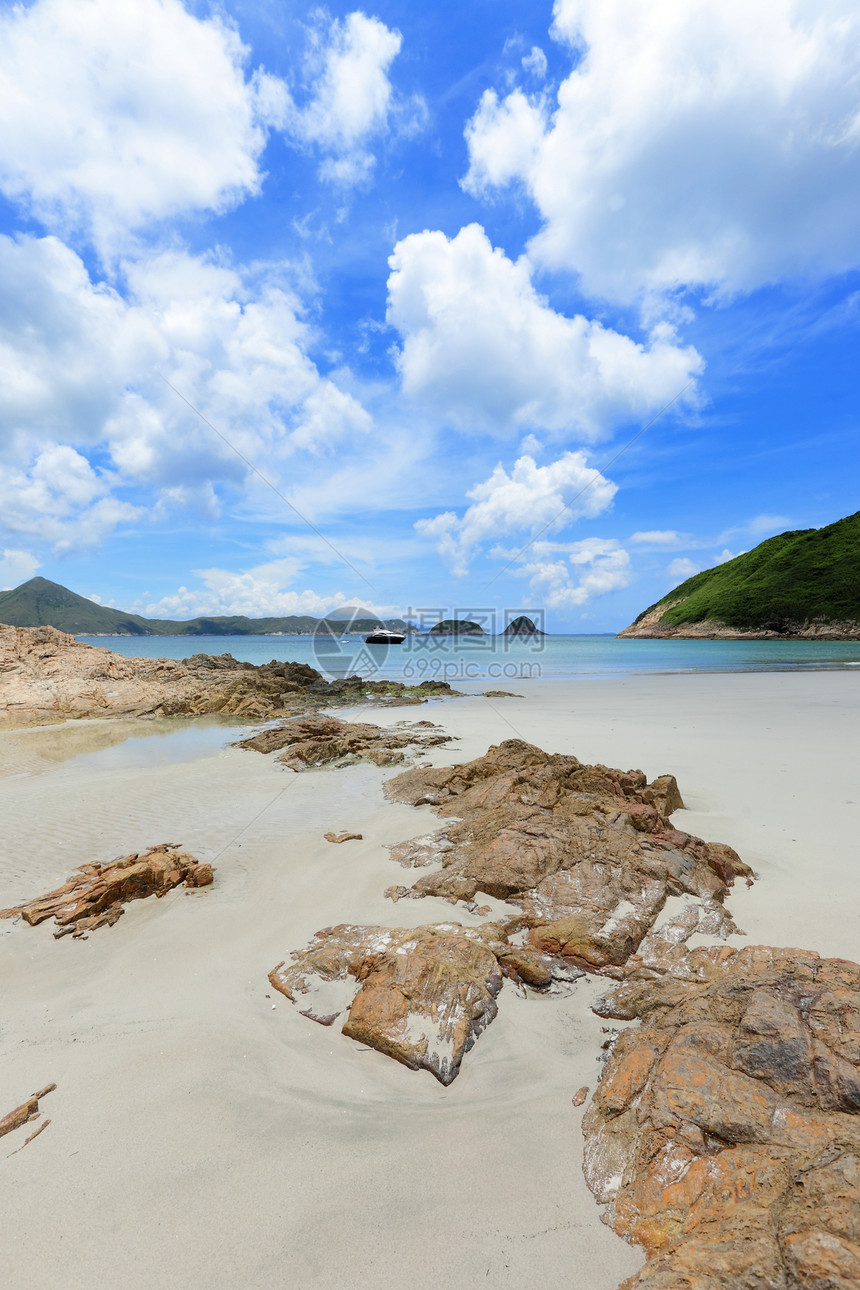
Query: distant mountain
{"points": [[805, 583], [40, 603]]}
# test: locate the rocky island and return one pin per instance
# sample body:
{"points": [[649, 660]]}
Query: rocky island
{"points": [[798, 585], [457, 627], [522, 626]]}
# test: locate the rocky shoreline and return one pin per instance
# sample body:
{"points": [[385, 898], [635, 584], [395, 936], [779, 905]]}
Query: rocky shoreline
{"points": [[723, 1138], [47, 676], [650, 626]]}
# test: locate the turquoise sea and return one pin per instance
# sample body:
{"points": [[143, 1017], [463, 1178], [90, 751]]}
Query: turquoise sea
{"points": [[498, 659]]}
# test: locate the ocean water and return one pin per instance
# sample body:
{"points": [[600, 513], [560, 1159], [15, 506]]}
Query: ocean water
{"points": [[498, 659]]}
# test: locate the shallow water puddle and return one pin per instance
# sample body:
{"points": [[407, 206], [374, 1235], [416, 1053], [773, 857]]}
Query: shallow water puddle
{"points": [[115, 745]]}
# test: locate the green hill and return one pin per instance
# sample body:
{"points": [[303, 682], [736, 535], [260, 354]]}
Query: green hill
{"points": [[802, 583], [40, 603]]}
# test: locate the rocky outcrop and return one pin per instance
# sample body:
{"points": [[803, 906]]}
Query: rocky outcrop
{"points": [[423, 994], [321, 741], [95, 895], [724, 1136], [586, 852], [652, 626], [48, 676]]}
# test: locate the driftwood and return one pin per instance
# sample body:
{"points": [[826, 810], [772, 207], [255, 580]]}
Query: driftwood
{"points": [[94, 896], [28, 1110]]}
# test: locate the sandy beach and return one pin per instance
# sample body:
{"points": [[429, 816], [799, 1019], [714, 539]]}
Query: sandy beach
{"points": [[203, 1133]]}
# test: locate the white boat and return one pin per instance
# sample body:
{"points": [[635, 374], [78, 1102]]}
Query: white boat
{"points": [[381, 636]]}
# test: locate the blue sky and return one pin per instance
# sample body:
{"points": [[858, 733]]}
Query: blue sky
{"points": [[429, 269]]}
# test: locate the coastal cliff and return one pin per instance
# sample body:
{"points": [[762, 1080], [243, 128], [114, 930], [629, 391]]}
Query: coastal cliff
{"points": [[799, 585]]}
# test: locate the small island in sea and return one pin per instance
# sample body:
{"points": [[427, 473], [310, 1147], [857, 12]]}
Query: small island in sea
{"points": [[457, 627], [522, 626], [798, 585]]}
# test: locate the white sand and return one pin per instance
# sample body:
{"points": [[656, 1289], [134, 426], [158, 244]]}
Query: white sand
{"points": [[202, 1138]]}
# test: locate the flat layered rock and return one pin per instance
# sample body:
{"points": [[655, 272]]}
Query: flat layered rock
{"points": [[724, 1136], [420, 995], [95, 895], [303, 742], [587, 852]]}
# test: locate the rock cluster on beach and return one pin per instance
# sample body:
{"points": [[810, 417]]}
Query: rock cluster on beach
{"points": [[586, 852], [319, 741], [46, 676], [95, 895], [723, 1136]]}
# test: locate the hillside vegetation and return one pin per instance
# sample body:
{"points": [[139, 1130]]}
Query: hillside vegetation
{"points": [[41, 603], [799, 583]]}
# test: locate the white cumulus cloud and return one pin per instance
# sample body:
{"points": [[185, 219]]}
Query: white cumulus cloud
{"points": [[661, 537], [569, 576], [682, 568], [523, 501], [351, 97], [481, 347], [266, 590], [116, 115], [708, 144], [16, 567], [61, 499], [81, 367]]}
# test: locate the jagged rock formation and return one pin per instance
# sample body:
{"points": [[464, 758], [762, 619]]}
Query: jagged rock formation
{"points": [[47, 676], [586, 852], [724, 1136], [95, 895], [424, 994], [320, 741]]}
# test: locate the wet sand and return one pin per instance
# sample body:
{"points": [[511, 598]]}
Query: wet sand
{"points": [[202, 1137]]}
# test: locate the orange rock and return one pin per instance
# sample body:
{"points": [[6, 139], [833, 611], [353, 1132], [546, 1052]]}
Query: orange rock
{"points": [[587, 852], [94, 897], [424, 996], [718, 1136]]}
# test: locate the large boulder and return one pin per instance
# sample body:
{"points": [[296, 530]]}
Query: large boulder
{"points": [[420, 995], [724, 1136]]}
